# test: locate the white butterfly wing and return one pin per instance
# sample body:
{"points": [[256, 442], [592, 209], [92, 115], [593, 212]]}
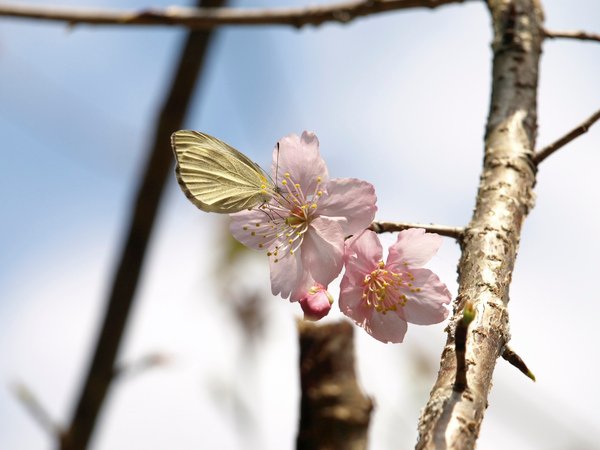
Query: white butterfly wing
{"points": [[215, 176]]}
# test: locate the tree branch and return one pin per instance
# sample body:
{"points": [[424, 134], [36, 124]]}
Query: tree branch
{"points": [[442, 230], [334, 413], [580, 35], [206, 18], [541, 155], [101, 371], [452, 420]]}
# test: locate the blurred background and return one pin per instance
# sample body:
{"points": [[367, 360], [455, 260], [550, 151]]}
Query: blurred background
{"points": [[398, 99]]}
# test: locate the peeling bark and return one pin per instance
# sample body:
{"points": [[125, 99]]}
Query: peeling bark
{"points": [[452, 420]]}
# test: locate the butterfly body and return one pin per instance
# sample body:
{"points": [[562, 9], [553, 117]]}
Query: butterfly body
{"points": [[215, 176]]}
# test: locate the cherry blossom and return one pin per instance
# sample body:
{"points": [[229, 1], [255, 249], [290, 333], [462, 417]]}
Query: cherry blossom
{"points": [[383, 297], [303, 226]]}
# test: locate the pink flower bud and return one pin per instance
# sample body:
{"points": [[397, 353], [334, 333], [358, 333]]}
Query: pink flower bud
{"points": [[316, 303]]}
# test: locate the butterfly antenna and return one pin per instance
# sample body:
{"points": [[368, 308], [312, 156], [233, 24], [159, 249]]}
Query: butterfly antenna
{"points": [[266, 213], [277, 169]]}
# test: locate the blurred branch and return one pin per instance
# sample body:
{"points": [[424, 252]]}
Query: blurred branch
{"points": [[37, 410], [390, 227], [541, 155], [579, 35], [206, 18], [334, 413], [158, 165], [141, 365]]}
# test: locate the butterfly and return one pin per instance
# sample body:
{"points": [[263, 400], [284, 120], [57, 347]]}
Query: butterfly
{"points": [[215, 176]]}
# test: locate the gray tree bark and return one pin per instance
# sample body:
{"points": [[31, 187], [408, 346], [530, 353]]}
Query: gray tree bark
{"points": [[451, 420]]}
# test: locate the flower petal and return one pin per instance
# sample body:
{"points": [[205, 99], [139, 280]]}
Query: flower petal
{"points": [[351, 201], [351, 302], [425, 307], [383, 327], [286, 274], [386, 328], [300, 157], [361, 256], [323, 250], [414, 248], [303, 283]]}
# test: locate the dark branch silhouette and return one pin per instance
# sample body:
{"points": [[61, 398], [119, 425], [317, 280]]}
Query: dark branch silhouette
{"points": [[102, 368]]}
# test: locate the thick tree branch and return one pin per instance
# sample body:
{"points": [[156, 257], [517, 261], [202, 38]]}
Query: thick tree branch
{"points": [[452, 420], [442, 230], [206, 18], [579, 35], [541, 155], [334, 413], [101, 371]]}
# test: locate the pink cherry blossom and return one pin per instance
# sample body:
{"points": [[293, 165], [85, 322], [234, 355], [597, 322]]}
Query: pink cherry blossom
{"points": [[383, 297], [316, 303], [303, 226]]}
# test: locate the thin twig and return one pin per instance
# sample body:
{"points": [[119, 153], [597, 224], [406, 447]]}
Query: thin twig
{"points": [[541, 155], [443, 230], [579, 35], [509, 355], [37, 410], [206, 18], [160, 161]]}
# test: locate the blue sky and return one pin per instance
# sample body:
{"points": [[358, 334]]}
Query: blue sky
{"points": [[399, 100]]}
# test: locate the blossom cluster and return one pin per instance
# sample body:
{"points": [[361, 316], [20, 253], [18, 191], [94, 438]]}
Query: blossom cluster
{"points": [[314, 226]]}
